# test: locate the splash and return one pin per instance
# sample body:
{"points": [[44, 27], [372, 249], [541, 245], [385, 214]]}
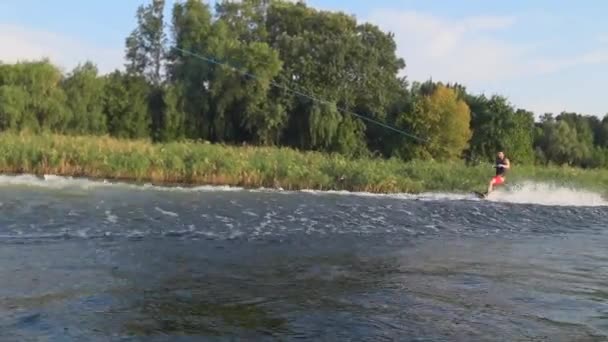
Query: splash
{"points": [[524, 193], [548, 194], [426, 196], [65, 183]]}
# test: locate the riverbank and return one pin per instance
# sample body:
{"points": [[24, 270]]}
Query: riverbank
{"points": [[191, 163]]}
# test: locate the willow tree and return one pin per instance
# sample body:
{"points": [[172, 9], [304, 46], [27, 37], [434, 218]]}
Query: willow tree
{"points": [[226, 101], [341, 64], [13, 102], [561, 143], [32, 98]]}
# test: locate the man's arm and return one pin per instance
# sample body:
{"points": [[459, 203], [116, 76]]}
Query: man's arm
{"points": [[507, 164]]}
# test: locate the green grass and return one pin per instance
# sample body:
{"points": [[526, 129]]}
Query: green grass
{"points": [[254, 167]]}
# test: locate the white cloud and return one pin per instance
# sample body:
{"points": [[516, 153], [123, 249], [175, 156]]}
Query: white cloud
{"points": [[19, 43], [466, 50], [602, 38], [554, 65], [458, 50], [488, 22]]}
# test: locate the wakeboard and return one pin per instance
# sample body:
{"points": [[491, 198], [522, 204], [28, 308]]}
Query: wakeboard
{"points": [[480, 194]]}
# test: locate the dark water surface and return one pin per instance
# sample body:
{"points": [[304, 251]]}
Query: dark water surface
{"points": [[137, 264]]}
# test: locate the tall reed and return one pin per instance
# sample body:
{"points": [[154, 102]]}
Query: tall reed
{"points": [[254, 167]]}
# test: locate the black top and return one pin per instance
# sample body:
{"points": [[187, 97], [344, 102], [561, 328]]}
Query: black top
{"points": [[500, 171]]}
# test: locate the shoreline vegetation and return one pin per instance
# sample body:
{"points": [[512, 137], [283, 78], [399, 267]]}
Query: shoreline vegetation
{"points": [[288, 79], [196, 164]]}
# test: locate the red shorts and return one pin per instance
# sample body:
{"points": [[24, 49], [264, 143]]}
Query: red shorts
{"points": [[498, 180]]}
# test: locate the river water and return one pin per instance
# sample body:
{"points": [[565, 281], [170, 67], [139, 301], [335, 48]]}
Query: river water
{"points": [[87, 261]]}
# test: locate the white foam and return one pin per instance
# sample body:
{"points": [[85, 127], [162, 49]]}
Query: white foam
{"points": [[524, 193], [250, 213], [111, 217], [60, 182], [527, 193], [165, 212], [548, 194], [426, 196]]}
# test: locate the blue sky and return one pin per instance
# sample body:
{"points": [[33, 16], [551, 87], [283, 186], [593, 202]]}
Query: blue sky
{"points": [[546, 56]]}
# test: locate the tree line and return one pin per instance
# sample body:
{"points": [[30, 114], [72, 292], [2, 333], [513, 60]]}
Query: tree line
{"points": [[272, 72]]}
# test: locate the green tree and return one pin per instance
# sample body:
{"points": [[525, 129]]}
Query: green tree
{"points": [[390, 143], [584, 126], [192, 32], [444, 121], [146, 49], [84, 91], [173, 127], [43, 106], [239, 110], [145, 46], [330, 56], [13, 102], [246, 19], [519, 141], [602, 140], [497, 126], [126, 106], [561, 143], [223, 104]]}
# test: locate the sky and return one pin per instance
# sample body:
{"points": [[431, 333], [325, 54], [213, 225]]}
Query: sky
{"points": [[543, 55]]}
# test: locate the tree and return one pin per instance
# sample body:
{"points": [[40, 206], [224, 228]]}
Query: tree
{"points": [[173, 127], [192, 32], [35, 101], [223, 103], [331, 57], [519, 140], [84, 91], [443, 120], [246, 18], [126, 106], [584, 126], [390, 143], [561, 144], [146, 53], [145, 46], [602, 140], [497, 126], [13, 102]]}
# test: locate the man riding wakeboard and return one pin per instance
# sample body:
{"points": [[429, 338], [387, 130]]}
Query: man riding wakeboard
{"points": [[502, 165]]}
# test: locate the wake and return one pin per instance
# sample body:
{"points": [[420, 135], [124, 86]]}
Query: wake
{"points": [[67, 183], [548, 194], [524, 193], [528, 193]]}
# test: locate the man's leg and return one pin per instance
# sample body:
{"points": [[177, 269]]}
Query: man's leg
{"points": [[494, 182]]}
